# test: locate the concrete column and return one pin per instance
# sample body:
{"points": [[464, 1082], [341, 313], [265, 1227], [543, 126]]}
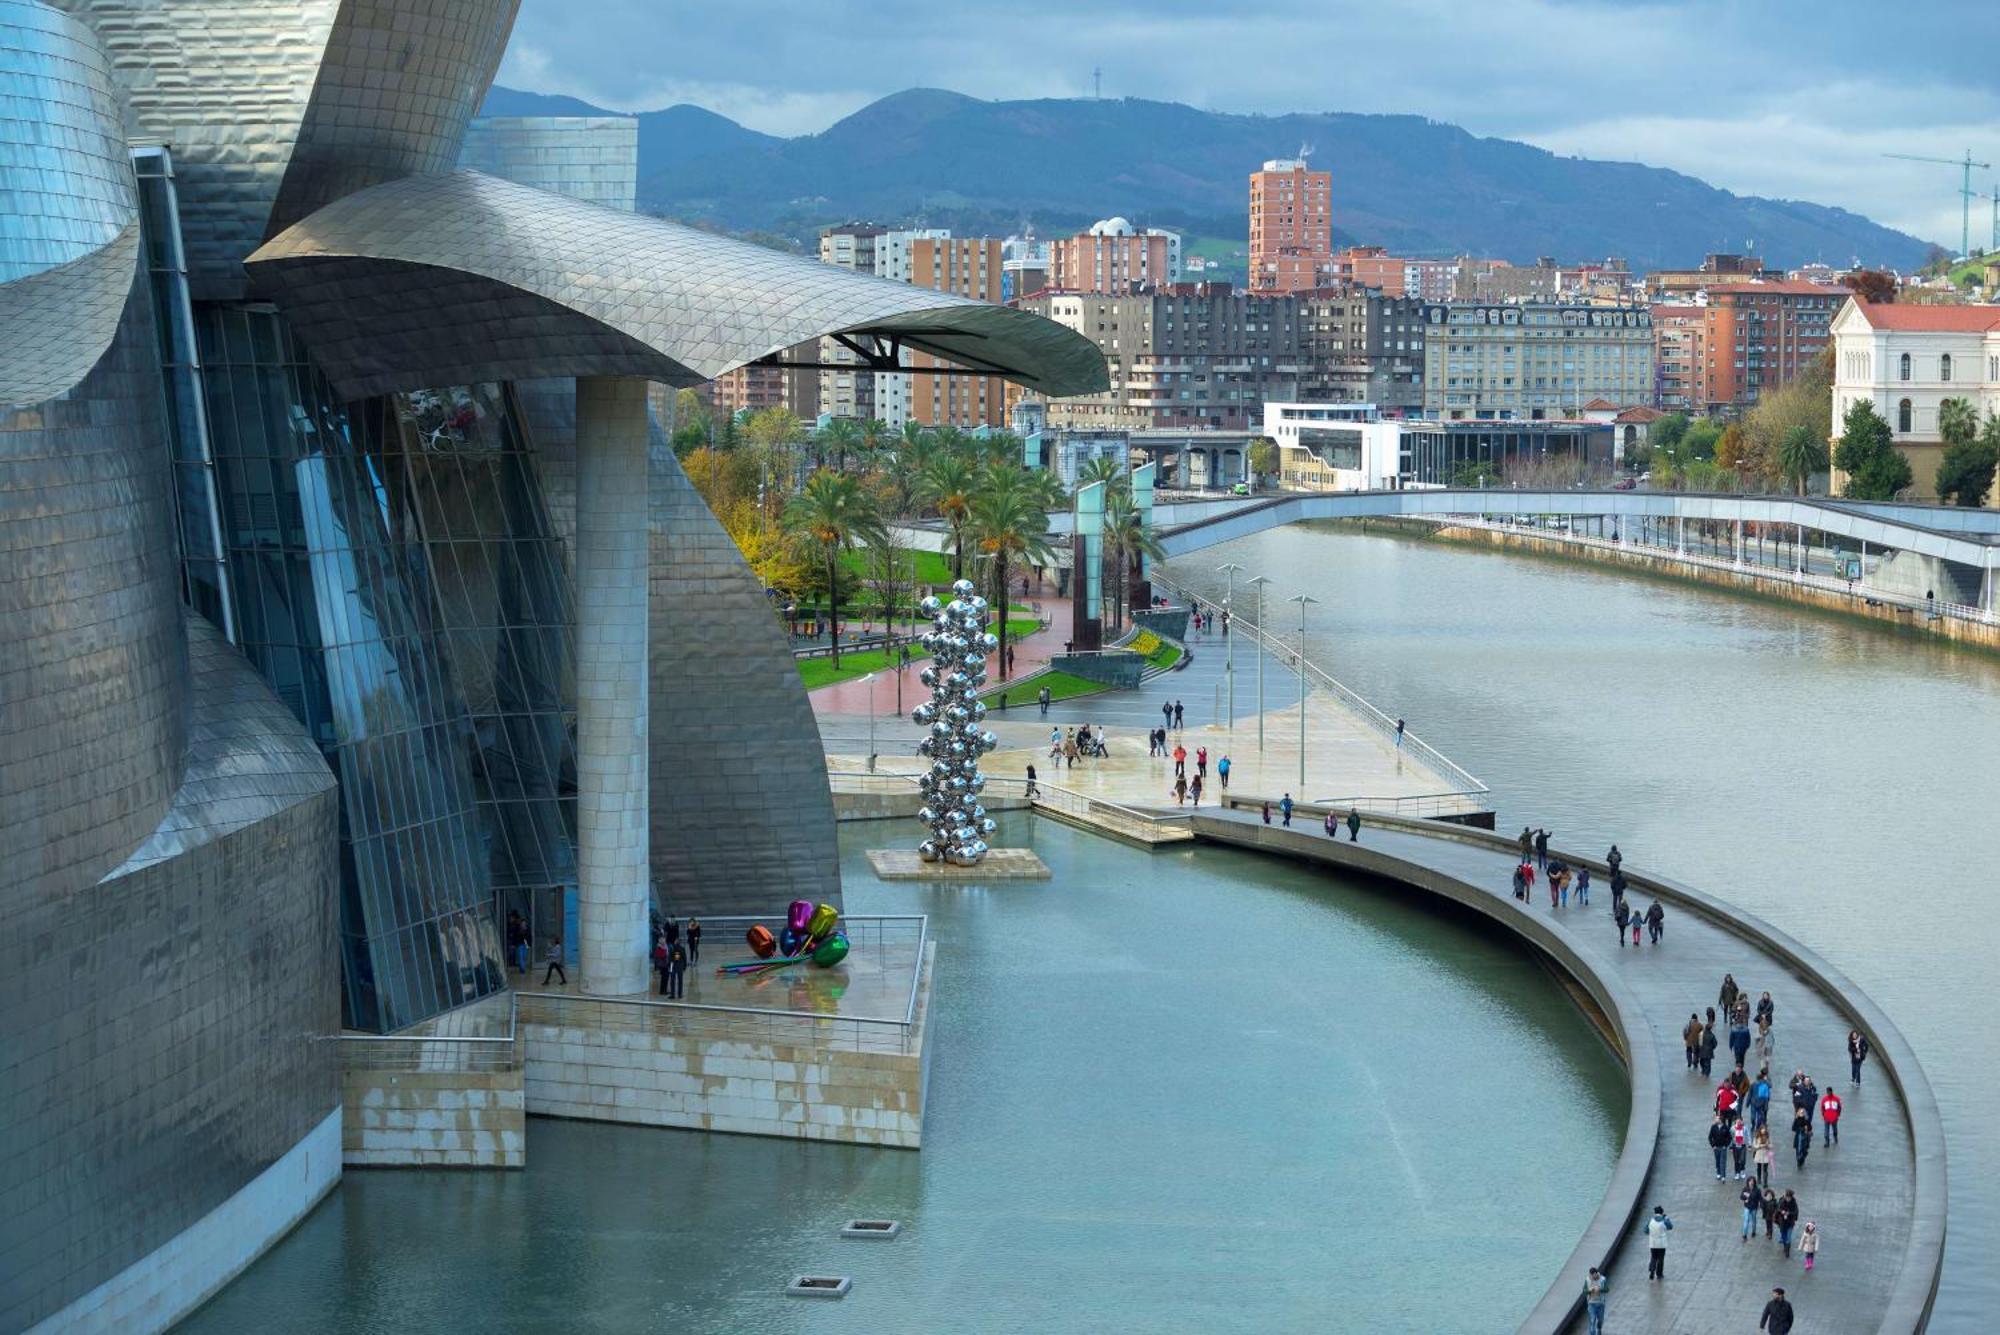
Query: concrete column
{"points": [[611, 750]]}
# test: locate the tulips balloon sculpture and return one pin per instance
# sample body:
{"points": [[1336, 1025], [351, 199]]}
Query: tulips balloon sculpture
{"points": [[810, 933], [958, 643]]}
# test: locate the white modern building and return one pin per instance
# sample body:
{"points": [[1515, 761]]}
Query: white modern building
{"points": [[1907, 360], [1334, 446]]}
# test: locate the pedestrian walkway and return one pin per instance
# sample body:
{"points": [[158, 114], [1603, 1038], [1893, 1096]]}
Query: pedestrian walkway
{"points": [[1878, 1196], [850, 699]]}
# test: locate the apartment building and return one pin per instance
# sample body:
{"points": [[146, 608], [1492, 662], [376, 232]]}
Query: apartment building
{"points": [[844, 389], [1189, 355], [1114, 256], [1680, 343], [1395, 275], [1760, 335], [1362, 346], [969, 267], [1533, 361], [1291, 227]]}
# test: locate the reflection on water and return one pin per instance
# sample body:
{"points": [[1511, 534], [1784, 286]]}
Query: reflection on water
{"points": [[1835, 777], [1170, 1091]]}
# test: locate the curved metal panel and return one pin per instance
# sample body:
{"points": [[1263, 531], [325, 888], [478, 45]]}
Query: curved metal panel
{"points": [[273, 108], [532, 284], [396, 89], [733, 734], [167, 1035], [63, 167], [56, 324], [93, 670], [227, 83]]}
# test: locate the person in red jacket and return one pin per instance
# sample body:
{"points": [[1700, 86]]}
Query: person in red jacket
{"points": [[1725, 1101], [1829, 1113]]}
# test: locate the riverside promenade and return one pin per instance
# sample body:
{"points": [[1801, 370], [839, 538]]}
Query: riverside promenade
{"points": [[1878, 1196]]}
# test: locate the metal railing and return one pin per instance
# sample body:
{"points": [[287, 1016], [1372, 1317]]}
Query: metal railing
{"points": [[1420, 806], [858, 644], [1150, 826], [441, 1053], [1859, 590], [1461, 782], [708, 1022]]}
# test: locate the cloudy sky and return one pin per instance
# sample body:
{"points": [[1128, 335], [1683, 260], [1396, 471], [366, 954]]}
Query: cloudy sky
{"points": [[1789, 98]]}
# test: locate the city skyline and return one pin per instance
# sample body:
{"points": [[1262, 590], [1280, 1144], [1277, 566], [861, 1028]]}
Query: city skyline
{"points": [[1696, 87]]}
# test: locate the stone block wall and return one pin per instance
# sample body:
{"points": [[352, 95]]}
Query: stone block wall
{"points": [[654, 1076], [433, 1119]]}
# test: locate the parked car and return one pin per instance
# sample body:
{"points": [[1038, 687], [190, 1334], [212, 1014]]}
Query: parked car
{"points": [[1240, 489]]}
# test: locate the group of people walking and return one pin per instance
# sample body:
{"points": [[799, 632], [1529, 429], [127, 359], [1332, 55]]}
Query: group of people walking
{"points": [[1563, 880], [672, 955], [1188, 787], [1068, 745]]}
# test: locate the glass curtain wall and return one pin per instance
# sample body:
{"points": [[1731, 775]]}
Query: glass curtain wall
{"points": [[335, 604], [462, 457]]}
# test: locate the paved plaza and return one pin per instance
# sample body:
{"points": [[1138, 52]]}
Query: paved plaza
{"points": [[1345, 756]]}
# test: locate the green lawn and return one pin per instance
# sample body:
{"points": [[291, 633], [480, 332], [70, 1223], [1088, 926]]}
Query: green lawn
{"points": [[1167, 655], [818, 672], [1062, 686], [932, 567]]}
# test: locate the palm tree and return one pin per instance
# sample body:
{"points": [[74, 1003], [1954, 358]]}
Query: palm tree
{"points": [[946, 484], [1958, 421], [874, 440], [1127, 537], [840, 435], [1008, 524], [1111, 472], [835, 513], [1801, 454]]}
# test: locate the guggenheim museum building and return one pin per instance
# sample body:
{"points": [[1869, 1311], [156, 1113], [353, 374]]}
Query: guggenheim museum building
{"points": [[348, 600]]}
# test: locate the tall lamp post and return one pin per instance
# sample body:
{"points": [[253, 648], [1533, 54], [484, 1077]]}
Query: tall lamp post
{"points": [[1258, 582], [869, 681], [1228, 648], [1302, 599]]}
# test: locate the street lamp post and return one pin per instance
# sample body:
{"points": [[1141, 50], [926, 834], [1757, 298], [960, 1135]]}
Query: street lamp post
{"points": [[1302, 599], [870, 681], [1228, 648], [1258, 582]]}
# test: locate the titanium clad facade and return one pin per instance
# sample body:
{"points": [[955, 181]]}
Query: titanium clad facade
{"points": [[594, 158], [274, 109], [166, 1032], [166, 830], [455, 279]]}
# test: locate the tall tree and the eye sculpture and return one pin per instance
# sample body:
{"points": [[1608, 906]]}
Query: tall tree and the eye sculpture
{"points": [[958, 643]]}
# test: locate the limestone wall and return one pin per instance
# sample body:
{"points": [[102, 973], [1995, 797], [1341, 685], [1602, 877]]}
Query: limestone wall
{"points": [[648, 1069], [433, 1119]]}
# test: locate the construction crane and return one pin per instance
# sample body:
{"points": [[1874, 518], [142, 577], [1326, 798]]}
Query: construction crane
{"points": [[1965, 191]]}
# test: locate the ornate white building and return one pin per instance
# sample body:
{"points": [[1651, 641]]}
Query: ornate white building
{"points": [[1907, 360]]}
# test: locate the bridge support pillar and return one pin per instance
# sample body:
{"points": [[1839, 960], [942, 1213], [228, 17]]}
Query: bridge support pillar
{"points": [[1737, 554]]}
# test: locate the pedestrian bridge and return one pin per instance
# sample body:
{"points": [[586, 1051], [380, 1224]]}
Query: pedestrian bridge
{"points": [[1878, 1196]]}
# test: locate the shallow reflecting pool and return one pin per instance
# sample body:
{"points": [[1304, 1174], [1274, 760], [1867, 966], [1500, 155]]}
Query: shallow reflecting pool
{"points": [[1199, 1090]]}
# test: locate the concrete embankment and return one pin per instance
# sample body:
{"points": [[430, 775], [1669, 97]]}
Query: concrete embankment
{"points": [[1655, 563]]}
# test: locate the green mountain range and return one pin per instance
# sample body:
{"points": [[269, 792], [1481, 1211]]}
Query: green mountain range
{"points": [[1420, 187]]}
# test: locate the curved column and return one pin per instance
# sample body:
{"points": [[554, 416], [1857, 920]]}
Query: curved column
{"points": [[611, 731]]}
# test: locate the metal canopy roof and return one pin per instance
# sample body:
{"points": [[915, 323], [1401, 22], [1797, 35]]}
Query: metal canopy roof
{"points": [[448, 279]]}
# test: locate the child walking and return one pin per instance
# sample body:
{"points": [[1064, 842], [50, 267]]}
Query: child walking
{"points": [[1809, 1242]]}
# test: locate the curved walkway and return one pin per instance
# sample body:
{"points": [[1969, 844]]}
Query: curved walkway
{"points": [[1878, 1196]]}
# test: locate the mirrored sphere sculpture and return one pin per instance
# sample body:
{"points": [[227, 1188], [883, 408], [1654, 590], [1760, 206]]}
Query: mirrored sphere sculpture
{"points": [[954, 741]]}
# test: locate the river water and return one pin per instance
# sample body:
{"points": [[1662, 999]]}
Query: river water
{"points": [[1837, 778], [1180, 1091]]}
